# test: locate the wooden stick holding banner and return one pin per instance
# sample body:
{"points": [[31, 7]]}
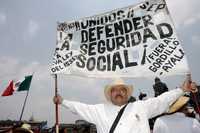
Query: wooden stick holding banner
{"points": [[56, 105]]}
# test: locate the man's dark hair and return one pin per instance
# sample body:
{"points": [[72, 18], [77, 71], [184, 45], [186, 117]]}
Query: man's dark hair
{"points": [[157, 79]]}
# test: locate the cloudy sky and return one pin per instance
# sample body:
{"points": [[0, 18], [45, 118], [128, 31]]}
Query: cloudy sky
{"points": [[27, 42]]}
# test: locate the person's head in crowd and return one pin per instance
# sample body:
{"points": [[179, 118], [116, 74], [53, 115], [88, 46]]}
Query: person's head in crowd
{"points": [[157, 80], [24, 128]]}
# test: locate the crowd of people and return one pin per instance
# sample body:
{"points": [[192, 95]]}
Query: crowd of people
{"points": [[119, 114], [186, 115]]}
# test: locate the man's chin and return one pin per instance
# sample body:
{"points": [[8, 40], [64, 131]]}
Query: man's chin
{"points": [[119, 101]]}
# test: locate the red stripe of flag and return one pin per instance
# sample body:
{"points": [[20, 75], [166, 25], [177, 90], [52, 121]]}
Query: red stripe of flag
{"points": [[9, 90]]}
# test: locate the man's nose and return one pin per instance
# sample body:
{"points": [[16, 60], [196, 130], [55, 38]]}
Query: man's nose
{"points": [[120, 92]]}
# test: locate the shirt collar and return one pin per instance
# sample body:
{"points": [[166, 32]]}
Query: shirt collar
{"points": [[111, 105], [179, 114]]}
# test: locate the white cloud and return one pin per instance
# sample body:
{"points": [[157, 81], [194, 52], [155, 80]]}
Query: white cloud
{"points": [[196, 39], [192, 20], [8, 67], [32, 29], [183, 11], [3, 18], [12, 68]]}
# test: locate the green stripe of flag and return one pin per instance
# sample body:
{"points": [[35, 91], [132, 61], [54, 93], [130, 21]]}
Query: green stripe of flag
{"points": [[25, 85]]}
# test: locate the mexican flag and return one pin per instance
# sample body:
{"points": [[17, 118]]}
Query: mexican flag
{"points": [[20, 85]]}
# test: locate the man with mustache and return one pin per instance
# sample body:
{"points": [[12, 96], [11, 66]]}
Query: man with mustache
{"points": [[133, 117]]}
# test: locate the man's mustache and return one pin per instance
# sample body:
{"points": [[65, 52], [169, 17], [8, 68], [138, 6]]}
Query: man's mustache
{"points": [[118, 96]]}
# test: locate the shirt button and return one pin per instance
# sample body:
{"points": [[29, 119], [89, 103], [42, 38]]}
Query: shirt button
{"points": [[120, 123]]}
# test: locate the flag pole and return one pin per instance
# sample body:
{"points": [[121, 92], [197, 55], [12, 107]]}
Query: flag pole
{"points": [[24, 105], [56, 105], [25, 98]]}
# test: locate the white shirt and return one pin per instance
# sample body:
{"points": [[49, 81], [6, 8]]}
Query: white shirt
{"points": [[135, 116], [176, 123]]}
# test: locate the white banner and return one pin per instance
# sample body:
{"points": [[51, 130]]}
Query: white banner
{"points": [[136, 41]]}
